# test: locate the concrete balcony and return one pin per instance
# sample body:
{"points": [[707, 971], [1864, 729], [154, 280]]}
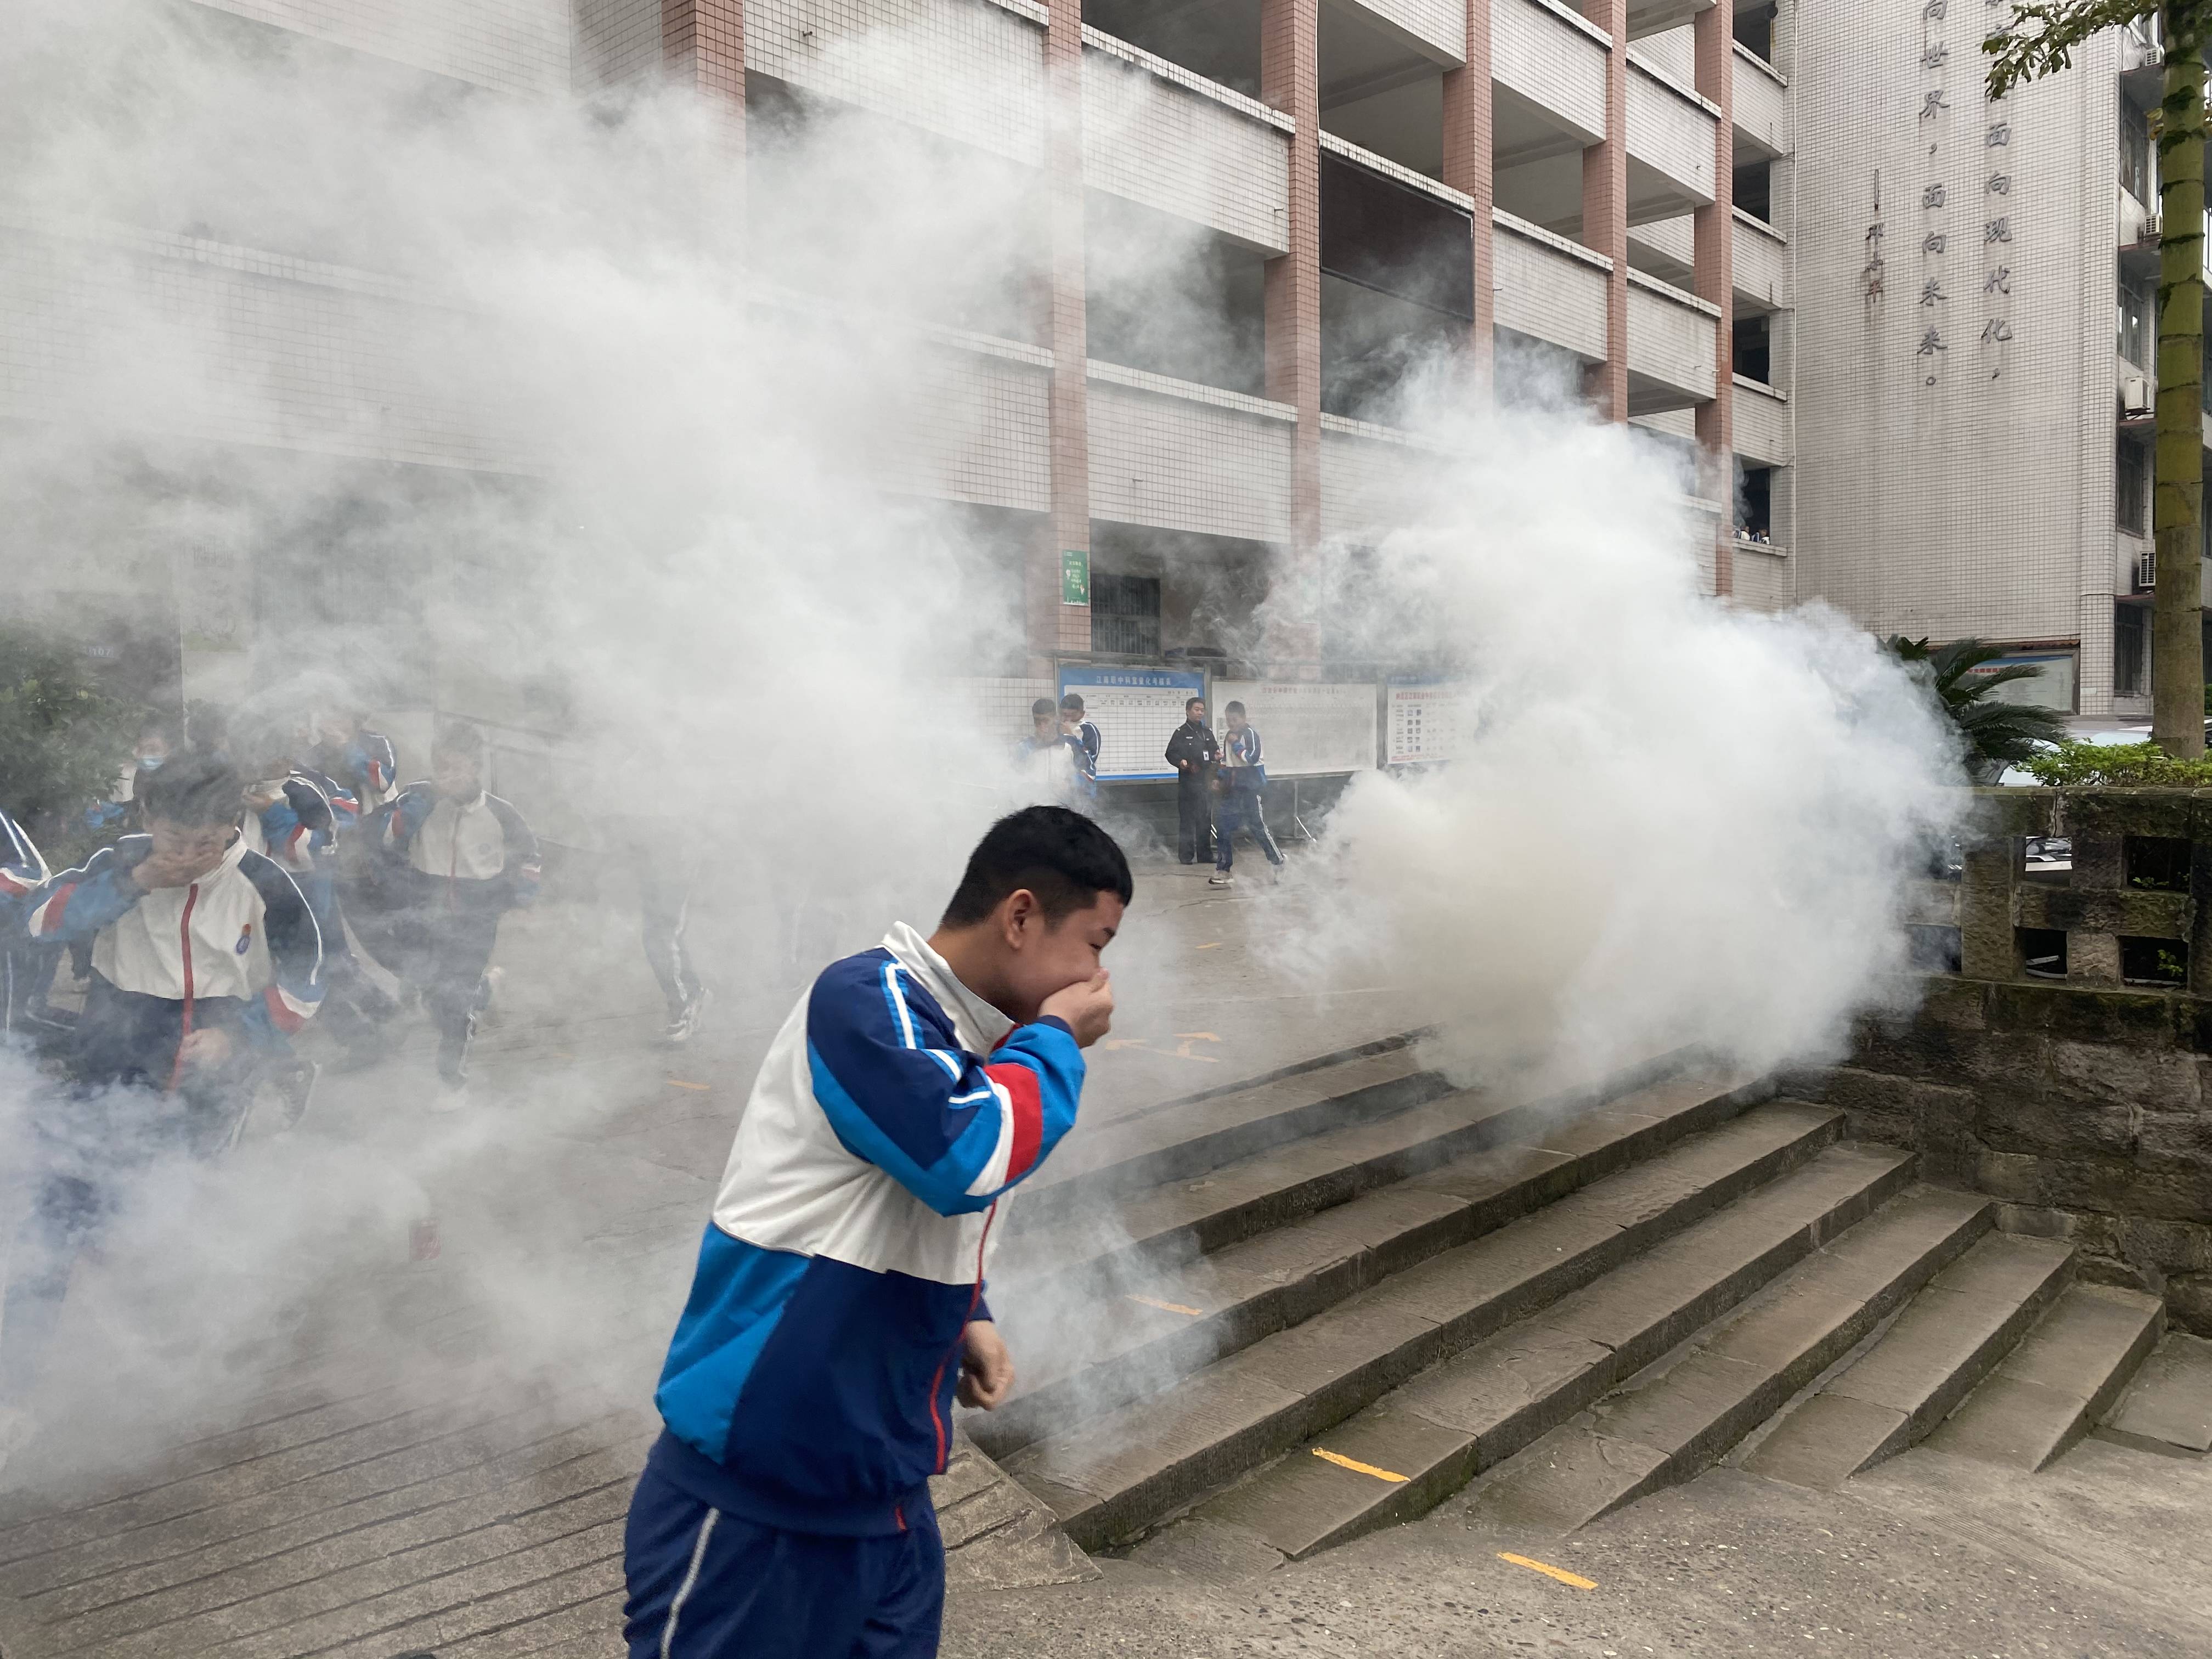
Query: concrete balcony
{"points": [[1762, 106], [990, 94], [1764, 432], [1435, 28], [1371, 478], [1155, 133], [1665, 248], [1550, 289], [1673, 346], [1671, 134], [1547, 67], [1762, 265], [1179, 456]]}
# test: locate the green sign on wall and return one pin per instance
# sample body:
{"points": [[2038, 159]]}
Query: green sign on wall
{"points": [[1074, 576]]}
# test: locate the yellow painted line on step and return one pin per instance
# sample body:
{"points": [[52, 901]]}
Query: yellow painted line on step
{"points": [[1575, 1579], [1216, 945], [1167, 1307], [1357, 1467], [678, 1083]]}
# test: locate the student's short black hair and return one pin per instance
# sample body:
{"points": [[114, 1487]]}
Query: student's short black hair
{"points": [[1072, 704], [1041, 709], [459, 738], [1062, 857], [1189, 703], [1234, 708], [194, 788]]}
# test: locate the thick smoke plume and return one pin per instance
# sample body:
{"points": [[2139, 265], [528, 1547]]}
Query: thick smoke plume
{"points": [[699, 536]]}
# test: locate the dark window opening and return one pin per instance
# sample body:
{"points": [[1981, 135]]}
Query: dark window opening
{"points": [[1170, 297], [1934, 949], [2134, 341], [2135, 153], [1125, 614], [2160, 962], [1755, 30], [2042, 952], [1755, 510], [2159, 863], [2130, 486], [2131, 661], [1752, 348], [1754, 189], [1220, 41], [1397, 286]]}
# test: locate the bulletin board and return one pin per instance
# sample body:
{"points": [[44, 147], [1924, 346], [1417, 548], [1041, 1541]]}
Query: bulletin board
{"points": [[1306, 730], [1426, 722], [1136, 710]]}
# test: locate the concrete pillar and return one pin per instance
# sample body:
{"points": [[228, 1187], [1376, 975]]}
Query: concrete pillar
{"points": [[1056, 626], [1289, 81], [1605, 212], [1714, 239], [1468, 168]]}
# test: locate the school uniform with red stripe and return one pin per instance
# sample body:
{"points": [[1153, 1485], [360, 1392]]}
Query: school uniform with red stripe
{"points": [[809, 1386]]}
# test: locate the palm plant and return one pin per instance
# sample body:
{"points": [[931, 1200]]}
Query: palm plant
{"points": [[1992, 733]]}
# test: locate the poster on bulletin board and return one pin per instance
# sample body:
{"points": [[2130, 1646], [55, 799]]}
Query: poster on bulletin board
{"points": [[1136, 710], [1425, 722], [1306, 730]]}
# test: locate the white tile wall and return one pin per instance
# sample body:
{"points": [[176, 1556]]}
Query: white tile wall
{"points": [[965, 68], [1211, 156], [1764, 580], [1547, 60], [1670, 339], [1761, 106], [1368, 483], [1181, 456], [616, 40], [1544, 291], [1762, 426], [1676, 238], [1670, 132], [1762, 264], [515, 45], [1439, 25], [1674, 50], [986, 437]]}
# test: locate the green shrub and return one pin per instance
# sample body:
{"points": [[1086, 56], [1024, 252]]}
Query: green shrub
{"points": [[2128, 766]]}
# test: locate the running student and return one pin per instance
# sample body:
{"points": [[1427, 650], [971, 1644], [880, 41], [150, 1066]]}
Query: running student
{"points": [[838, 1303], [466, 859], [204, 959]]}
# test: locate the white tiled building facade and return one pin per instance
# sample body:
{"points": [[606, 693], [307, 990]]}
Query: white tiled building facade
{"points": [[1670, 203]]}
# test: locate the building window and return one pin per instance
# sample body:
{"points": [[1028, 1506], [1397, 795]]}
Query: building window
{"points": [[1125, 615], [2130, 660], [2135, 154], [2130, 487], [2135, 324], [1755, 30], [1754, 508], [1754, 189], [1753, 339]]}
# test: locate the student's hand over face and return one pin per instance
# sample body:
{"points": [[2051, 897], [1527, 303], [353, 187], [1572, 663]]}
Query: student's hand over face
{"points": [[1087, 1006], [987, 1370], [206, 1050]]}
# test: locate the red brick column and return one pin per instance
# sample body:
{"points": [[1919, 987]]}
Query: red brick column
{"points": [[1605, 211], [1715, 227], [1055, 626], [702, 43], [1469, 169], [1289, 81]]}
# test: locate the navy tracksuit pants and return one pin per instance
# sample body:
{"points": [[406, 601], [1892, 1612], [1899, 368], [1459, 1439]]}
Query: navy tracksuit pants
{"points": [[707, 1584]]}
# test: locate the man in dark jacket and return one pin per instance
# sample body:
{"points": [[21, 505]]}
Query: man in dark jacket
{"points": [[1194, 753]]}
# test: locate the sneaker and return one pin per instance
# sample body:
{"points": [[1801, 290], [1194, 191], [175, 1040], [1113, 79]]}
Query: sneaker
{"points": [[685, 1025], [1221, 878], [296, 1089]]}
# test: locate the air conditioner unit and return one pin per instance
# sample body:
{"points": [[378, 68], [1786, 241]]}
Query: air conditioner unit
{"points": [[2135, 394], [2149, 231]]}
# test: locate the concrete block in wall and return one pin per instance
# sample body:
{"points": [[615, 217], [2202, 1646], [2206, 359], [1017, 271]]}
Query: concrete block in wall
{"points": [[2093, 958]]}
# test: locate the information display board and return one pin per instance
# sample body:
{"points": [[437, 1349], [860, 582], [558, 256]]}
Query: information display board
{"points": [[1136, 710], [1425, 722], [1306, 730]]}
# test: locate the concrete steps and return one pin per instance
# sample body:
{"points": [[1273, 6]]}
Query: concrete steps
{"points": [[1948, 1338], [1533, 1385], [2052, 1389], [1111, 1474], [1207, 1267]]}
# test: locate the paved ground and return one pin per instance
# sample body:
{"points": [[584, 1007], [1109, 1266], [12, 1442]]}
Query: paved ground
{"points": [[380, 1386]]}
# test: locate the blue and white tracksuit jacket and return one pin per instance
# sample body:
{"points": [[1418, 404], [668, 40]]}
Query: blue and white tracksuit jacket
{"points": [[809, 1386]]}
